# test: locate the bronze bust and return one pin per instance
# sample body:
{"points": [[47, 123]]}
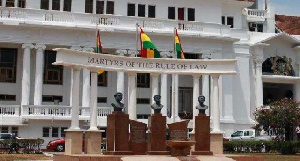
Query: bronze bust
{"points": [[157, 106], [117, 104], [201, 107]]}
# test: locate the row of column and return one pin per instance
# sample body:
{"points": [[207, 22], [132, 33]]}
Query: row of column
{"points": [[39, 69]]}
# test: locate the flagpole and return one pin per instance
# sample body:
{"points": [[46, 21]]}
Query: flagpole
{"points": [[173, 84], [137, 38]]}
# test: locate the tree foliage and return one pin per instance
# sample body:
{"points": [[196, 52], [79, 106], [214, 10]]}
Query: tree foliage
{"points": [[281, 115]]}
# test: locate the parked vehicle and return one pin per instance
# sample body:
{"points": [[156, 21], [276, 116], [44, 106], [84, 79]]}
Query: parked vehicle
{"points": [[249, 134], [9, 141], [59, 145]]}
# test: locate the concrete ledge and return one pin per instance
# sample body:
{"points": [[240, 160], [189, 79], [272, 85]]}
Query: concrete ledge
{"points": [[247, 158], [216, 143], [93, 142], [202, 153], [159, 152], [73, 144], [118, 153]]}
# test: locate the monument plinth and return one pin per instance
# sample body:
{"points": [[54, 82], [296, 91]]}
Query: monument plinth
{"points": [[138, 143], [157, 135], [202, 135], [118, 134]]}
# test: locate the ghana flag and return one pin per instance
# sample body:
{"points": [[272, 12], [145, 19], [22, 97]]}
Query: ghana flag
{"points": [[98, 43], [178, 47], [148, 49]]}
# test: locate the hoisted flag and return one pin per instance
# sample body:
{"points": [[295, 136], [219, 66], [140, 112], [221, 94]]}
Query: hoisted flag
{"points": [[178, 46], [99, 48], [98, 43], [148, 49]]}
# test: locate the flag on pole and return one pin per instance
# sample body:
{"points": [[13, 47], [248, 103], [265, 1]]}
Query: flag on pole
{"points": [[99, 49], [178, 46], [98, 43], [148, 49]]}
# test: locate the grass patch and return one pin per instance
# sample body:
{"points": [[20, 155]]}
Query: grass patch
{"points": [[12, 157]]}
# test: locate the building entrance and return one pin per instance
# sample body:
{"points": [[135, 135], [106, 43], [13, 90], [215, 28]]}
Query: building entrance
{"points": [[276, 91]]}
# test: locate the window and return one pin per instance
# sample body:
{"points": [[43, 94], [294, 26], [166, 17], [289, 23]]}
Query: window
{"points": [[0, 2], [130, 9], [45, 4], [22, 3], [141, 10], [102, 79], [10, 3], [171, 13], [54, 131], [53, 74], [88, 6], [142, 116], [8, 64], [151, 11], [62, 131], [67, 5], [56, 5], [260, 28], [143, 101], [51, 98], [46, 131], [192, 56], [226, 20], [4, 97], [100, 7], [102, 100], [191, 14], [230, 22], [143, 80], [4, 129], [223, 20], [110, 8], [15, 130], [180, 13]]}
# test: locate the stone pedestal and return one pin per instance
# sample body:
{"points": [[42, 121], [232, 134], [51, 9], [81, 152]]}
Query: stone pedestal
{"points": [[157, 135], [118, 134], [202, 135], [73, 144], [216, 143], [138, 143], [93, 142]]}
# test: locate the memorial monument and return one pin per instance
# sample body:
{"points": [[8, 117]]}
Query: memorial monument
{"points": [[138, 142], [157, 134], [118, 129], [202, 130]]}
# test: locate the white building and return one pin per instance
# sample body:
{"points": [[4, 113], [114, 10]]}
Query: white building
{"points": [[35, 95]]}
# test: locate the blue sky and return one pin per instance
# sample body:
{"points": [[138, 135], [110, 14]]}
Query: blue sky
{"points": [[286, 7]]}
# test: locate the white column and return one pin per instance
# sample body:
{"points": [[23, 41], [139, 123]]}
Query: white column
{"points": [[86, 88], [154, 85], [50, 4], [75, 100], [196, 92], [104, 7], [78, 48], [132, 95], [164, 94], [26, 74], [205, 91], [39, 68], [175, 116], [94, 6], [215, 105], [263, 5], [176, 97], [94, 94], [120, 75], [16, 3], [3, 3], [259, 83], [61, 5]]}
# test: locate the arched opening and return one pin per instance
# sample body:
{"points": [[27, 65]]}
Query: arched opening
{"points": [[278, 66]]}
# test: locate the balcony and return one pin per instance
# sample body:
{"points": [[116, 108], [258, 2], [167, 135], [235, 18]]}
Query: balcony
{"points": [[255, 15], [19, 16]]}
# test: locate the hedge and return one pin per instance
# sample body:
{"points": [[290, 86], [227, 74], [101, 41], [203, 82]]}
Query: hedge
{"points": [[21, 145], [282, 147]]}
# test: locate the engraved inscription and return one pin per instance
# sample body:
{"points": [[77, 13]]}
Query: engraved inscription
{"points": [[138, 134]]}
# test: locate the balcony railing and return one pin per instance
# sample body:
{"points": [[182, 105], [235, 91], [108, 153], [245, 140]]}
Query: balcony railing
{"points": [[84, 20], [254, 15], [12, 110]]}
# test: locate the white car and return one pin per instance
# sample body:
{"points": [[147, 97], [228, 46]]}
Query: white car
{"points": [[249, 134]]}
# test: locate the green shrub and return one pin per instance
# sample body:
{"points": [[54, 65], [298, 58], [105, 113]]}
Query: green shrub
{"points": [[248, 146], [287, 147], [21, 145]]}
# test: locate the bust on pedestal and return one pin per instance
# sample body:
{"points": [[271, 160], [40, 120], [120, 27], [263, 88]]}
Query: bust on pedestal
{"points": [[157, 134], [202, 130], [118, 129]]}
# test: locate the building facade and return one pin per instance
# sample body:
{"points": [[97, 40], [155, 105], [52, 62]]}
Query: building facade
{"points": [[35, 96]]}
